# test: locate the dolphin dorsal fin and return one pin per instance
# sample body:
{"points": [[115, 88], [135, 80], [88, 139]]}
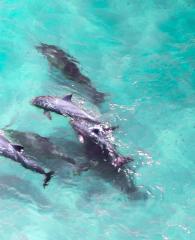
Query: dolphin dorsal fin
{"points": [[67, 97], [113, 128], [18, 147]]}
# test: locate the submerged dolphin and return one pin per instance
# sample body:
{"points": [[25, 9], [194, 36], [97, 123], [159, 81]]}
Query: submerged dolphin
{"points": [[53, 153], [15, 152], [63, 106], [38, 146], [68, 66]]}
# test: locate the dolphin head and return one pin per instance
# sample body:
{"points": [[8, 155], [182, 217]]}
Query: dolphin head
{"points": [[42, 101], [48, 50], [38, 101], [55, 56], [42, 48]]}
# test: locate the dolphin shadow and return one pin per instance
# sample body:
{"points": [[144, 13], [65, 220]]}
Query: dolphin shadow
{"points": [[123, 179], [23, 190]]}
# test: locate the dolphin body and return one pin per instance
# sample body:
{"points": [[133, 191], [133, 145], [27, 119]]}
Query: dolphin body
{"points": [[15, 152], [104, 159], [68, 66], [63, 106], [99, 136], [52, 155], [38, 146]]}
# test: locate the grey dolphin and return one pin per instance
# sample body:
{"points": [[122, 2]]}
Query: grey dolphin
{"points": [[68, 66], [103, 157], [53, 153], [15, 152], [63, 106], [99, 136], [38, 146]]}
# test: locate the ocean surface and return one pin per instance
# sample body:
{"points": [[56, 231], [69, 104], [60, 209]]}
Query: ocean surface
{"points": [[142, 54]]}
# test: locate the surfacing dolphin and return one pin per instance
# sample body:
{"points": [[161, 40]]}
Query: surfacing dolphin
{"points": [[68, 66], [15, 152], [104, 159], [99, 136], [63, 106]]}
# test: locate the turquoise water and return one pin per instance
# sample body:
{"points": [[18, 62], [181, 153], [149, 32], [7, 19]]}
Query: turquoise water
{"points": [[142, 54]]}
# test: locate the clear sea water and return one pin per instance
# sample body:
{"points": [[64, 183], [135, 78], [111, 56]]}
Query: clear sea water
{"points": [[141, 52]]}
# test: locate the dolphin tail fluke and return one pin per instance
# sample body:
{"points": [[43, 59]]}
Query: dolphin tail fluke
{"points": [[48, 177], [96, 96]]}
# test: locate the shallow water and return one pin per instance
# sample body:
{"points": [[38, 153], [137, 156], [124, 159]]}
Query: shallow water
{"points": [[142, 54]]}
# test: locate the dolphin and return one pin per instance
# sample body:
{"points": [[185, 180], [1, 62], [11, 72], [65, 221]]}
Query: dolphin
{"points": [[15, 152], [42, 149], [103, 157], [99, 136], [63, 106], [68, 66], [39, 146]]}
